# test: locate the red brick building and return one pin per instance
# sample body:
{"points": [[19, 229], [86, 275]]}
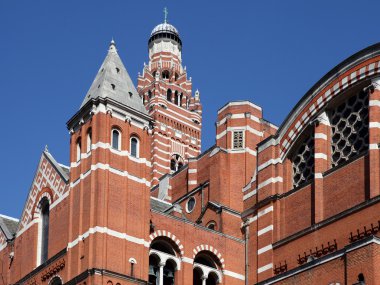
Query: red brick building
{"points": [[141, 204]]}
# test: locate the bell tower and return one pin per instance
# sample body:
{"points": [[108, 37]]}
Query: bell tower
{"points": [[166, 92], [110, 174]]}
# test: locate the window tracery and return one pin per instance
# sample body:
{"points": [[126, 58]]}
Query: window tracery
{"points": [[349, 128], [303, 161]]}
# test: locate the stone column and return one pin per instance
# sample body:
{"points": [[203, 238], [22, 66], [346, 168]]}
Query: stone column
{"points": [[161, 276], [204, 278]]}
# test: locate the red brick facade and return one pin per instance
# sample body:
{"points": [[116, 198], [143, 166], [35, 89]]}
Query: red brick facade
{"points": [[140, 203]]}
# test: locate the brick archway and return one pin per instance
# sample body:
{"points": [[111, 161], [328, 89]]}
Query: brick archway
{"points": [[167, 234], [211, 249]]}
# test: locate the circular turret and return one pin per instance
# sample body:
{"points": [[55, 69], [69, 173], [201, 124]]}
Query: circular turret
{"points": [[165, 31]]}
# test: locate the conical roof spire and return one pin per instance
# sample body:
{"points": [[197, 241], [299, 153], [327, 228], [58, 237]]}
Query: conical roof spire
{"points": [[113, 82]]}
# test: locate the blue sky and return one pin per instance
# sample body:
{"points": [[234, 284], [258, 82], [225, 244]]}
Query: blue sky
{"points": [[268, 52]]}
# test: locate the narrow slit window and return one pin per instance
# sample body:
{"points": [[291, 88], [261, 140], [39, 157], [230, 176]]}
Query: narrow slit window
{"points": [[44, 229], [79, 150], [134, 147], [89, 140], [116, 140]]}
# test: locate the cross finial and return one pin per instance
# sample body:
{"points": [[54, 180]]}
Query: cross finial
{"points": [[166, 14]]}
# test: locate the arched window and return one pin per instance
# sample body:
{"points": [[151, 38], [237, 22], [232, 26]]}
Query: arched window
{"points": [[163, 262], [116, 139], [206, 270], [79, 149], [165, 74], [169, 95], [135, 147], [89, 140], [361, 279], [44, 229], [56, 281], [176, 98], [176, 162], [211, 225]]}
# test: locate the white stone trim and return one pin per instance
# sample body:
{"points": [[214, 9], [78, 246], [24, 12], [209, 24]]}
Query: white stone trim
{"points": [[164, 233], [240, 128], [264, 249], [102, 166], [249, 195], [209, 248], [318, 175], [259, 214], [374, 125], [206, 270], [373, 146], [173, 117], [320, 136], [265, 230], [265, 268], [373, 103], [187, 260], [233, 274], [241, 150], [239, 104], [192, 182], [269, 162], [163, 256], [238, 116], [107, 146], [193, 170], [105, 230], [320, 155], [269, 181]]}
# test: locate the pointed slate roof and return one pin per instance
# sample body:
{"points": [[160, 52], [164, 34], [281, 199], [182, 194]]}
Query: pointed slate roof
{"points": [[114, 82], [8, 226]]}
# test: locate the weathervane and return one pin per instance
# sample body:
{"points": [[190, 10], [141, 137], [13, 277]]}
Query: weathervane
{"points": [[166, 14]]}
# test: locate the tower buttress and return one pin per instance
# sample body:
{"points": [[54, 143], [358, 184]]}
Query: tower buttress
{"points": [[167, 94], [110, 175]]}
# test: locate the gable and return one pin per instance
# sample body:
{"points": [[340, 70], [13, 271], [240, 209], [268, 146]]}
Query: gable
{"points": [[50, 175]]}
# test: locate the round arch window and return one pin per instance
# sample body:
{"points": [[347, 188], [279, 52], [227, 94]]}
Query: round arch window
{"points": [[190, 204]]}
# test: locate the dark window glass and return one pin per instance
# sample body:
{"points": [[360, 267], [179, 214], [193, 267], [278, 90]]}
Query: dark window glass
{"points": [[191, 204], [44, 229], [134, 146], [115, 139]]}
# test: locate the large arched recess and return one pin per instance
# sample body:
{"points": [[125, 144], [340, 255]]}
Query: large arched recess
{"points": [[355, 70]]}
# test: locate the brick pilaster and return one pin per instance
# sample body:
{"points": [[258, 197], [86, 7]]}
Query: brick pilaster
{"points": [[322, 159]]}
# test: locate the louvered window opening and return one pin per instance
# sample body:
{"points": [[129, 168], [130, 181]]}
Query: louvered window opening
{"points": [[238, 139], [349, 128], [303, 162]]}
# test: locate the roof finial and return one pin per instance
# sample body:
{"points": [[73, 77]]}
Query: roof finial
{"points": [[46, 148], [112, 47], [166, 14]]}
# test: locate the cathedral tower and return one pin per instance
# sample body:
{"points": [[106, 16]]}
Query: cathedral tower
{"points": [[167, 94], [110, 175]]}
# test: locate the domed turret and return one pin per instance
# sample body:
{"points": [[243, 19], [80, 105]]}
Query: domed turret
{"points": [[165, 32]]}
